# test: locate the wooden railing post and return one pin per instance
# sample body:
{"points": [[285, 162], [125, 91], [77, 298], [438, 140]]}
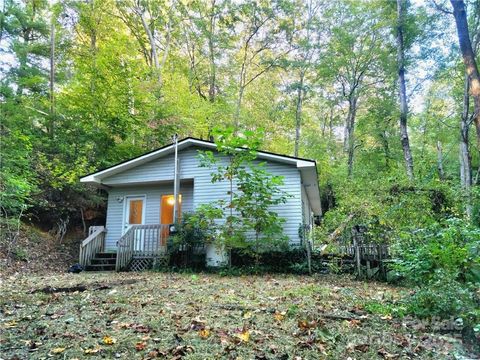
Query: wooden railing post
{"points": [[91, 245]]}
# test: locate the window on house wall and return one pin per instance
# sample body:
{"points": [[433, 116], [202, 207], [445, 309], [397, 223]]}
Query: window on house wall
{"points": [[166, 208]]}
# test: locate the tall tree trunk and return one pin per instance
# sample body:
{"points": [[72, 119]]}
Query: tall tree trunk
{"points": [[327, 121], [52, 77], [465, 158], [93, 49], [153, 46], [241, 87], [349, 122], [298, 111], [349, 144], [441, 172], [386, 148], [407, 154], [468, 55], [211, 55], [236, 120], [330, 125]]}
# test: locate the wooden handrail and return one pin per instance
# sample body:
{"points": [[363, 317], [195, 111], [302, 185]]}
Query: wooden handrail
{"points": [[142, 241], [124, 253], [92, 245]]}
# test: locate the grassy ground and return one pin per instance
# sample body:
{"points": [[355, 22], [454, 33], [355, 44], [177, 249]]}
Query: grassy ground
{"points": [[181, 316]]}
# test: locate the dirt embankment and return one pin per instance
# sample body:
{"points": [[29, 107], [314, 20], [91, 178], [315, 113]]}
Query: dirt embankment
{"points": [[34, 251]]}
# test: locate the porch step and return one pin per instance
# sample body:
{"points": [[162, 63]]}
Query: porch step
{"points": [[100, 267], [107, 255], [103, 261]]}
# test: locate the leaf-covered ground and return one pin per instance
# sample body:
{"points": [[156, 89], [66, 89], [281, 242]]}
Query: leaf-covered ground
{"points": [[205, 316]]}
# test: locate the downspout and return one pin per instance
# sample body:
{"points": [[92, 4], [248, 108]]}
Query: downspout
{"points": [[175, 180]]}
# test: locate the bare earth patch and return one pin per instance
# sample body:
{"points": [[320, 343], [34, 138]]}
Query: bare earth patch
{"points": [[180, 316]]}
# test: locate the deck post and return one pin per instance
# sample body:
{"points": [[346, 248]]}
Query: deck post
{"points": [[357, 257]]}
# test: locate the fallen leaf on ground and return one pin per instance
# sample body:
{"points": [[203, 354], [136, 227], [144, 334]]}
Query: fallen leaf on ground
{"points": [[58, 350], [181, 350], [92, 351], [305, 325], [354, 323], [362, 347], [204, 333], [107, 340], [247, 315], [279, 316], [10, 324], [140, 346], [386, 355], [244, 336], [140, 328]]}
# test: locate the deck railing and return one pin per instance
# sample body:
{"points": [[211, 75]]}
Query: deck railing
{"points": [[141, 241], [92, 244]]}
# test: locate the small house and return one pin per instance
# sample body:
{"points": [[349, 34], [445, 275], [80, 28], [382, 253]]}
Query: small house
{"points": [[145, 193]]}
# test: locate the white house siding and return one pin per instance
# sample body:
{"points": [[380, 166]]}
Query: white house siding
{"points": [[153, 195], [204, 191]]}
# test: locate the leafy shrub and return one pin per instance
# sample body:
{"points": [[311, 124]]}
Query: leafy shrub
{"points": [[452, 248], [196, 227], [273, 261], [193, 232], [443, 260], [445, 297]]}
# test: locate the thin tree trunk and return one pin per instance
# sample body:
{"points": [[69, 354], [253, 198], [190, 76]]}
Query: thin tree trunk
{"points": [[298, 112], [465, 158], [327, 120], [151, 40], [211, 53], [239, 105], [168, 40], [407, 154], [52, 77], [93, 51], [386, 148], [468, 55], [83, 222], [330, 125], [441, 172], [349, 132]]}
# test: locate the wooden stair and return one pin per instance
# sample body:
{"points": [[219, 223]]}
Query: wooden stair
{"points": [[103, 261]]}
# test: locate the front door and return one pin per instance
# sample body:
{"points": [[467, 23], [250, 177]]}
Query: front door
{"points": [[134, 216]]}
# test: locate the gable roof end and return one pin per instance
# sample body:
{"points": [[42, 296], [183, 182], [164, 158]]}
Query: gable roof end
{"points": [[306, 167]]}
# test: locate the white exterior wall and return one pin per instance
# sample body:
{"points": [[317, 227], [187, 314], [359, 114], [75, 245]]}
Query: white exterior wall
{"points": [[153, 194], [203, 191]]}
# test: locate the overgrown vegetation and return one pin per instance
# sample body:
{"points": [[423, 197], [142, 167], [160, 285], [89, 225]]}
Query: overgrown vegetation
{"points": [[443, 263]]}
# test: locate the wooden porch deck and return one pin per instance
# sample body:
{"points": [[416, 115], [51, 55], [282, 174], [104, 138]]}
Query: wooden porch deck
{"points": [[137, 249]]}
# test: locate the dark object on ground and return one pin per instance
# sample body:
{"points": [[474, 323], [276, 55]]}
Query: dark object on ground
{"points": [[52, 290], [79, 288], [82, 287], [75, 269]]}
